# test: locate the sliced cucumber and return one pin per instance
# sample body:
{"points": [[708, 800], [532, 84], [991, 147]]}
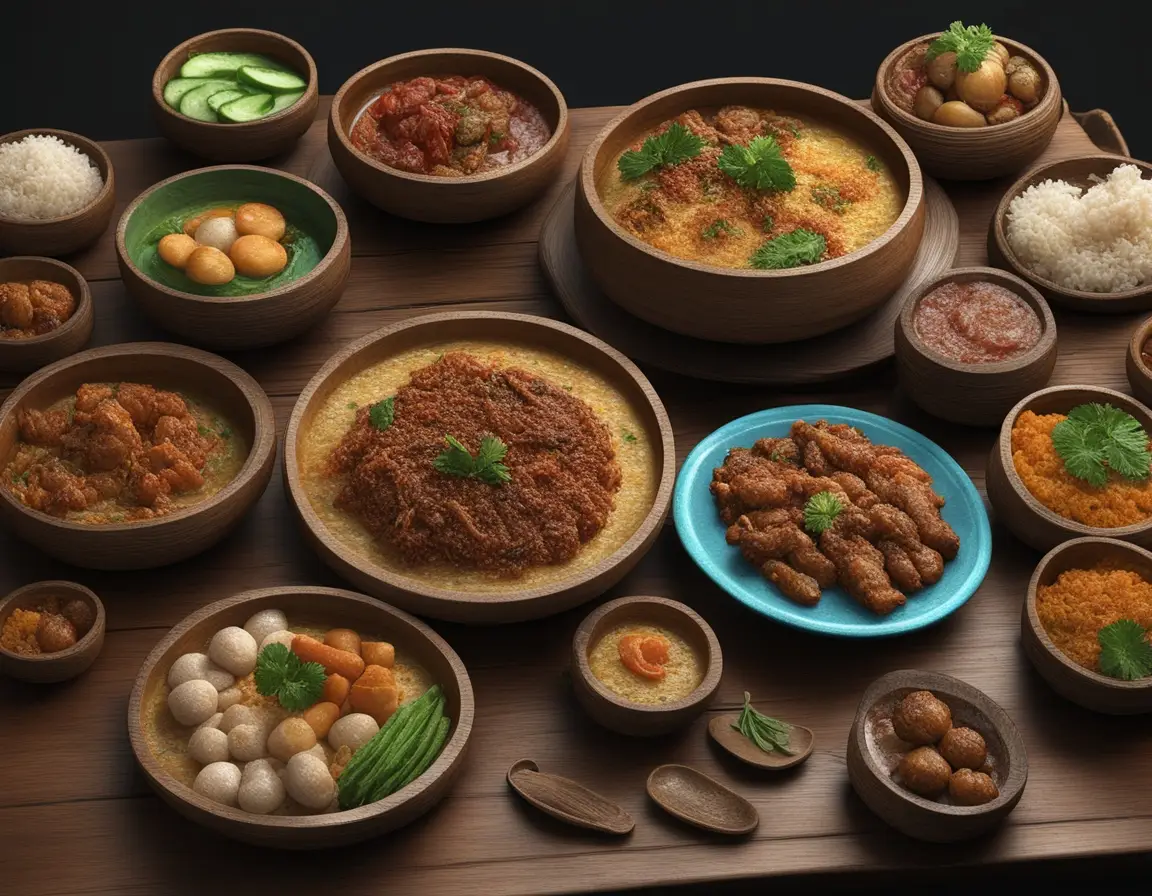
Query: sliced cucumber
{"points": [[284, 100], [175, 89], [217, 65], [270, 79], [225, 96], [194, 103], [247, 108]]}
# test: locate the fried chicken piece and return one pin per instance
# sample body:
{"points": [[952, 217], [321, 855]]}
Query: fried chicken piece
{"points": [[43, 428], [89, 395], [16, 309], [858, 493], [778, 450], [777, 516], [105, 438], [785, 541], [793, 584], [170, 463], [184, 433], [916, 499], [738, 124], [860, 568], [842, 453], [52, 300], [814, 460], [894, 524], [147, 404], [760, 490], [148, 489], [891, 465], [899, 565], [695, 122], [54, 489]]}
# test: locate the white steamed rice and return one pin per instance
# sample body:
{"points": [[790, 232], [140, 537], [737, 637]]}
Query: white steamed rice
{"points": [[1098, 240], [41, 176]]}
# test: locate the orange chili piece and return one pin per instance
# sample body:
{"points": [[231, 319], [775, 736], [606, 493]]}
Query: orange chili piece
{"points": [[644, 655]]}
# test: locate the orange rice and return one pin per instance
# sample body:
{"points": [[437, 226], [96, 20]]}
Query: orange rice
{"points": [[19, 633], [1121, 502]]}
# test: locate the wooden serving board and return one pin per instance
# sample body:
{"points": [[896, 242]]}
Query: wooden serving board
{"points": [[69, 787]]}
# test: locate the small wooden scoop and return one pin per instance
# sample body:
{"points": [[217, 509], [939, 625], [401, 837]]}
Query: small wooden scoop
{"points": [[695, 798], [568, 801], [800, 742]]}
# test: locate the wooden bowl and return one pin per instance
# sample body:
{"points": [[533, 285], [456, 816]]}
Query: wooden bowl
{"points": [[166, 539], [917, 816], [745, 305], [26, 355], [1028, 519], [68, 233], [238, 142], [1076, 171], [1067, 678], [973, 153], [1139, 375], [325, 606], [46, 668], [448, 200], [229, 323], [973, 394], [640, 719]]}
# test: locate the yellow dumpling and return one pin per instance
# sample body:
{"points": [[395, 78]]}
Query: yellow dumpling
{"points": [[175, 248], [258, 256], [260, 219], [209, 266]]}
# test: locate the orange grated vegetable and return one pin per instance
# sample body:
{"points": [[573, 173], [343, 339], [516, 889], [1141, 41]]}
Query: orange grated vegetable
{"points": [[19, 634]]}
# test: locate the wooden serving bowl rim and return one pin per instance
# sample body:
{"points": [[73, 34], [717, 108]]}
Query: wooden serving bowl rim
{"points": [[1004, 447], [523, 596], [1045, 172], [461, 726], [1051, 99], [263, 426], [432, 55], [330, 257], [1140, 335], [1103, 682], [83, 298], [944, 687], [14, 599], [1009, 281], [182, 50], [93, 150], [582, 645]]}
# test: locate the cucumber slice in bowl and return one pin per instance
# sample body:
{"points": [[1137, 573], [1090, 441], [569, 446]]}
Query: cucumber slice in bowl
{"points": [[269, 79], [194, 104], [178, 88], [217, 65], [247, 108], [284, 100], [225, 96]]}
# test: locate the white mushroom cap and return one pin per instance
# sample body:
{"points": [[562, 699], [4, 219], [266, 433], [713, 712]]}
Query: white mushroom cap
{"points": [[208, 745], [266, 622], [192, 702], [228, 697], [281, 637], [309, 781], [191, 666], [247, 742], [261, 790], [219, 781], [233, 649], [353, 730]]}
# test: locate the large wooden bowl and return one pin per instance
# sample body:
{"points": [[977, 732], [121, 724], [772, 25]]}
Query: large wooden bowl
{"points": [[26, 355], [242, 141], [515, 604], [68, 233], [973, 153], [48, 668], [165, 539], [327, 607], [973, 394], [917, 816], [1028, 519], [1139, 374], [737, 304], [1067, 678], [241, 322], [1078, 172], [448, 200]]}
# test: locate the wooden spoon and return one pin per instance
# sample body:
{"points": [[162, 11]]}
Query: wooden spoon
{"points": [[695, 798], [568, 801], [800, 742]]}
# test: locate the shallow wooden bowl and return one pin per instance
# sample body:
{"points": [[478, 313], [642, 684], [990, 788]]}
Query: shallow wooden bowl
{"points": [[736, 304], [26, 355], [1078, 172], [1139, 375], [46, 668], [1067, 678], [448, 200], [638, 719], [166, 539], [68, 233], [325, 606], [974, 153], [973, 394], [1028, 519], [917, 816], [242, 141], [240, 322], [512, 605]]}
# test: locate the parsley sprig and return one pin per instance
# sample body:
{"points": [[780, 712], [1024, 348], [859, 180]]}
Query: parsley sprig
{"points": [[758, 166], [821, 511], [1124, 650], [789, 250], [675, 145], [382, 413], [769, 734], [485, 466], [282, 674], [1096, 438], [970, 45]]}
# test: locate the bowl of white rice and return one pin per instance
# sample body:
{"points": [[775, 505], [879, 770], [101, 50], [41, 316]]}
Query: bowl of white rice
{"points": [[1080, 231], [57, 192]]}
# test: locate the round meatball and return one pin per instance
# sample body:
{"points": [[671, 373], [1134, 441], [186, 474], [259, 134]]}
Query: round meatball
{"points": [[233, 649], [921, 718], [208, 745], [969, 788], [261, 625], [963, 748], [261, 790], [192, 702], [924, 771], [309, 782], [219, 781]]}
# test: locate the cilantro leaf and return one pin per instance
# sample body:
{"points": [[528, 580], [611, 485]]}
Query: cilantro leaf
{"points": [[675, 145], [282, 674], [970, 45], [628, 435], [1124, 650], [382, 413], [271, 669], [873, 164], [718, 227], [821, 511], [758, 166], [830, 198], [1080, 449], [486, 466], [788, 250], [1096, 438]]}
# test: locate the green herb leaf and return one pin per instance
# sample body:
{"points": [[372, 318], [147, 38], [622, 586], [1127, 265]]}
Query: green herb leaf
{"points": [[226, 432], [769, 734], [271, 669], [718, 227], [788, 250], [873, 164], [352, 406], [970, 45], [203, 430], [628, 436], [1097, 437], [280, 673], [677, 144], [485, 466], [830, 198], [1124, 650], [758, 166], [382, 413], [767, 224], [821, 511]]}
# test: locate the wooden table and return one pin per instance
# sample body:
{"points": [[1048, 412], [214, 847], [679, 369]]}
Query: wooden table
{"points": [[76, 816]]}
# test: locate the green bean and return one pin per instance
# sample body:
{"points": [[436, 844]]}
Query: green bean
{"points": [[403, 767], [433, 751]]}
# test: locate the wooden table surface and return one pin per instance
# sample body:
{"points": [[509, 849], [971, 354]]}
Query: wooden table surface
{"points": [[77, 817]]}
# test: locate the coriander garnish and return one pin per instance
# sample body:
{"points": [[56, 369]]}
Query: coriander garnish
{"points": [[873, 163], [788, 250], [830, 198], [1124, 650], [718, 227], [970, 45], [1096, 438], [382, 413], [352, 406], [758, 166], [675, 145], [627, 435], [821, 511], [281, 673], [485, 466], [769, 734]]}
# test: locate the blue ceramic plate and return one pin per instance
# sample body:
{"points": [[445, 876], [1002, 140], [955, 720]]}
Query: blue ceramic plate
{"points": [[702, 531]]}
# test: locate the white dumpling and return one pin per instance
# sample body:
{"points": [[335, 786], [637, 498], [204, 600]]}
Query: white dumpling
{"points": [[309, 782], [192, 702], [219, 781], [191, 666], [261, 790], [353, 730], [261, 625], [247, 742], [208, 745], [233, 649], [220, 233], [281, 637]]}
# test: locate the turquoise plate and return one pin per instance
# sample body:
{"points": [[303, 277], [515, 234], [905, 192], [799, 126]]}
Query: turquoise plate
{"points": [[702, 531]]}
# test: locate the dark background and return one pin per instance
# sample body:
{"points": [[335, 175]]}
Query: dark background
{"points": [[89, 69]]}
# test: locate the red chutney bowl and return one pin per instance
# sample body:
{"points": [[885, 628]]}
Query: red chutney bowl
{"points": [[972, 393], [448, 200]]}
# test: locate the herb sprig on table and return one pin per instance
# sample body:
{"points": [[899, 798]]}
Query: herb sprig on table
{"points": [[1096, 438], [821, 511], [1124, 650], [673, 146], [282, 674], [758, 166], [789, 250], [769, 734], [486, 466], [970, 45]]}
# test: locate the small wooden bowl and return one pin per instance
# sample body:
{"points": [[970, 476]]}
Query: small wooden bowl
{"points": [[640, 719], [745, 305], [973, 394], [1076, 171], [46, 668], [166, 539], [1139, 374], [1028, 519], [1068, 678], [917, 816], [973, 153], [229, 323], [242, 141], [327, 607], [448, 200], [68, 233], [26, 355]]}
